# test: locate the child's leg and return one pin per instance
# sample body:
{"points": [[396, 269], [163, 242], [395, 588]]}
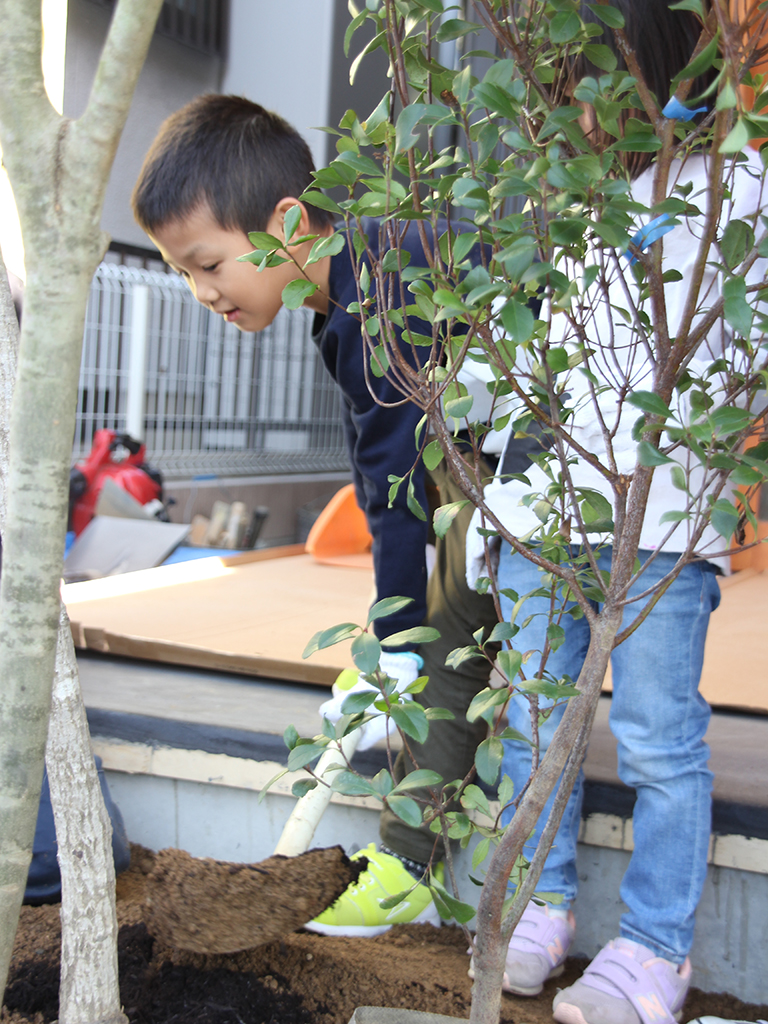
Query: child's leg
{"points": [[522, 576], [659, 720]]}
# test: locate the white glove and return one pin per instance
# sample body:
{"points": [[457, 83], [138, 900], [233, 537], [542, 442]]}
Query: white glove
{"points": [[403, 667]]}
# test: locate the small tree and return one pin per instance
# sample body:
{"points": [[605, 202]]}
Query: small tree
{"points": [[488, 152], [58, 169]]}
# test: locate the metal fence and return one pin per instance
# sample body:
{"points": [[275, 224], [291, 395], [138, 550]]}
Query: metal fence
{"points": [[205, 397]]}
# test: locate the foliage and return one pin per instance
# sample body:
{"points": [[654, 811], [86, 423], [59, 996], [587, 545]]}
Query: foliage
{"points": [[509, 135]]}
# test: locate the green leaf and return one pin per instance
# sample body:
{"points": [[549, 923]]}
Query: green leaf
{"points": [[557, 359], [411, 719], [414, 635], [564, 27], [421, 778], [291, 222], [445, 515], [351, 784], [554, 691], [600, 55], [328, 637], [488, 759], [609, 15], [736, 308], [673, 517], [366, 651], [473, 798], [736, 139], [650, 403], [303, 754], [649, 456], [261, 240], [701, 62], [321, 201], [301, 787], [393, 901], [382, 782], [406, 808], [290, 737], [725, 518], [413, 503], [387, 606], [454, 28], [517, 320], [461, 912], [555, 635], [433, 455], [405, 137], [512, 734], [265, 789], [358, 703], [295, 292], [330, 245], [738, 238], [480, 852], [509, 663], [484, 702]]}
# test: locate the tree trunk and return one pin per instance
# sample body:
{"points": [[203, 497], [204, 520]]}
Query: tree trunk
{"points": [[89, 989], [571, 738], [58, 170]]}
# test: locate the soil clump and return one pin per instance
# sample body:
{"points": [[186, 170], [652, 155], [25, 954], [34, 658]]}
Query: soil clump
{"points": [[301, 979], [213, 906]]}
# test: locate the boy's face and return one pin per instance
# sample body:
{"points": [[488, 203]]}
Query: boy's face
{"points": [[205, 254]]}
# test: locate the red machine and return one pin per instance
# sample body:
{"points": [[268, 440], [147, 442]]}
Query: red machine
{"points": [[129, 472]]}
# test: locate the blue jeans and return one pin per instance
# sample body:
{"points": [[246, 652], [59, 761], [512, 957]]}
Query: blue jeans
{"points": [[659, 720]]}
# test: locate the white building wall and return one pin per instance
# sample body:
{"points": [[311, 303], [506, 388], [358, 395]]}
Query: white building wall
{"points": [[172, 75], [280, 56]]}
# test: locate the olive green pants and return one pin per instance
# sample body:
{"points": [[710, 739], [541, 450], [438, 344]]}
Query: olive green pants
{"points": [[456, 612]]}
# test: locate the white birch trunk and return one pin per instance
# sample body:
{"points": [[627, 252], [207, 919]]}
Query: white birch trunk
{"points": [[89, 989], [58, 169]]}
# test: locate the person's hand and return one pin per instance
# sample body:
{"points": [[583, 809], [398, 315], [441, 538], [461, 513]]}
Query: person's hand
{"points": [[402, 666]]}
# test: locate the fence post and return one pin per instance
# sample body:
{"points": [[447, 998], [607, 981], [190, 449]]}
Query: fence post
{"points": [[136, 392]]}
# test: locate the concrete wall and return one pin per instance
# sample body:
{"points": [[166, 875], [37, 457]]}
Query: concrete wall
{"points": [[173, 74], [279, 55], [208, 804]]}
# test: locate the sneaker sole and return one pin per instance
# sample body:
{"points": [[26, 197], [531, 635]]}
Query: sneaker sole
{"points": [[520, 990], [428, 916], [567, 1013], [534, 990]]}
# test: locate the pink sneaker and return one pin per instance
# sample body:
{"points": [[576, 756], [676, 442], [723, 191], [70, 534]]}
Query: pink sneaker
{"points": [[626, 983], [537, 951]]}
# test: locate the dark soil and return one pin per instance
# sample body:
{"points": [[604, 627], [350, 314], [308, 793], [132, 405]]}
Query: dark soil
{"points": [[301, 979]]}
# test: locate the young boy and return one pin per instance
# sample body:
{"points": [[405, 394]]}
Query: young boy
{"points": [[223, 166]]}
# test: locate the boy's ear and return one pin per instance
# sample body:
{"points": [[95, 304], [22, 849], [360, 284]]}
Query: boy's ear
{"points": [[279, 214]]}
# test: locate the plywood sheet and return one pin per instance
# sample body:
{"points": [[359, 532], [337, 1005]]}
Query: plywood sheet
{"points": [[252, 614]]}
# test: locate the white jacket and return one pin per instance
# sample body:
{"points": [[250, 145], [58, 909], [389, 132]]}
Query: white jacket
{"points": [[616, 359]]}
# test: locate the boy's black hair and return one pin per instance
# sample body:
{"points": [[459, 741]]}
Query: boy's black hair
{"points": [[663, 41], [227, 152]]}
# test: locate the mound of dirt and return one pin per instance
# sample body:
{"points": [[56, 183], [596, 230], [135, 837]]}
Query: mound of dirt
{"points": [[212, 906], [301, 979]]}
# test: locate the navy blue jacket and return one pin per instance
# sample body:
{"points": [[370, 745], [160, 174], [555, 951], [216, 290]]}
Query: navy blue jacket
{"points": [[381, 441]]}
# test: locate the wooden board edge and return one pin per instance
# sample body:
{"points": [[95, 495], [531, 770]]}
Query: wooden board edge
{"points": [[169, 653]]}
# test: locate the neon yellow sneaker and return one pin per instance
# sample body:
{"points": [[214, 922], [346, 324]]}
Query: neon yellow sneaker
{"points": [[357, 910]]}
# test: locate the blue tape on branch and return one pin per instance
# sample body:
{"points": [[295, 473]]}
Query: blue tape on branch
{"points": [[649, 234], [676, 111]]}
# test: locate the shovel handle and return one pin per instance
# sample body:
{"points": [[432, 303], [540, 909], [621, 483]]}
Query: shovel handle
{"points": [[300, 827]]}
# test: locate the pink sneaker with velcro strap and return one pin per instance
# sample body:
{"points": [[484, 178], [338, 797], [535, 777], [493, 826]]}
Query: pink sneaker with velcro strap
{"points": [[537, 951], [626, 983]]}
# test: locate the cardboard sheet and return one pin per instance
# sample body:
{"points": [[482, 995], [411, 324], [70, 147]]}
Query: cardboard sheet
{"points": [[255, 613], [252, 613]]}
